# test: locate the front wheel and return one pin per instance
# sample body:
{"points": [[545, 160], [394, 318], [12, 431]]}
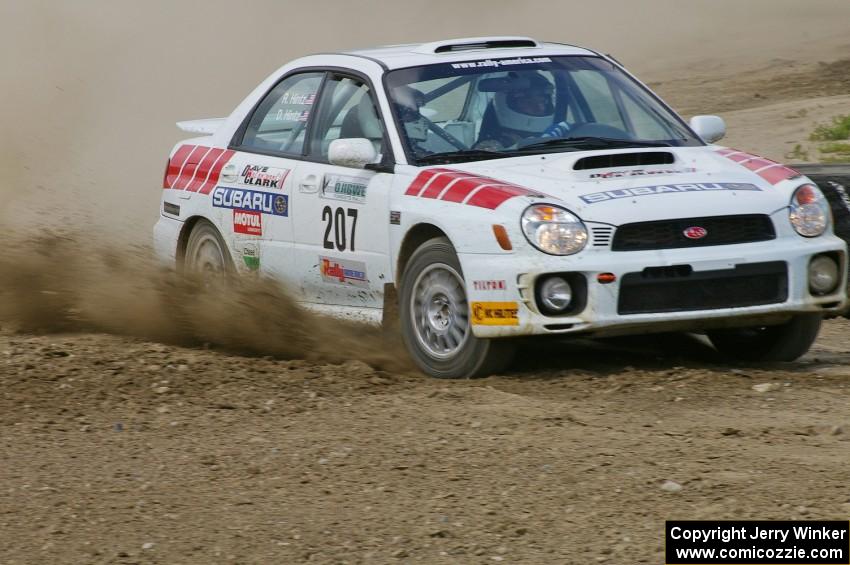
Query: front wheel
{"points": [[785, 342], [435, 318]]}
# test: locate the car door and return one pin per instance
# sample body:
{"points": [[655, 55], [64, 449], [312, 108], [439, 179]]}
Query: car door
{"points": [[254, 192], [341, 217]]}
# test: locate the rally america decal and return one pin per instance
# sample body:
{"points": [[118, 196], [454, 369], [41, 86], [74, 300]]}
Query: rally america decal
{"points": [[595, 197], [348, 189], [461, 187], [195, 168], [344, 272], [771, 171], [251, 200]]}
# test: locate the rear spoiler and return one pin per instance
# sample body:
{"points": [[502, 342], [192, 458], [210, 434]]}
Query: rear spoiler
{"points": [[207, 126]]}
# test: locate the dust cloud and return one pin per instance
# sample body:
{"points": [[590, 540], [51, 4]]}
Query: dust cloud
{"points": [[55, 284]]}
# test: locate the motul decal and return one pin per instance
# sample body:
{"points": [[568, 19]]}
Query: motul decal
{"points": [[771, 171], [196, 168], [247, 222], [465, 188]]}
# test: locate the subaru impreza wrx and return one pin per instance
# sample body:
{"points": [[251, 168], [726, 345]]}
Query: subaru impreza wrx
{"points": [[477, 190]]}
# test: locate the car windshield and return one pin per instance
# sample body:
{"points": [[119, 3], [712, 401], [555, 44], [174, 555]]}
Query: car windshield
{"points": [[494, 108]]}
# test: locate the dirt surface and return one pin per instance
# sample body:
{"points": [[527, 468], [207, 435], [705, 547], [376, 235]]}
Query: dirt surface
{"points": [[146, 420], [123, 451]]}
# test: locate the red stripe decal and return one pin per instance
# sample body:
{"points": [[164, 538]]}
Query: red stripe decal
{"points": [[216, 171], [758, 163], [778, 174], [176, 163], [204, 169], [436, 186], [771, 171], [461, 189], [188, 170], [422, 179], [456, 186], [491, 197], [740, 157]]}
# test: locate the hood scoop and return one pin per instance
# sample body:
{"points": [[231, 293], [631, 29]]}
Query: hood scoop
{"points": [[624, 160]]}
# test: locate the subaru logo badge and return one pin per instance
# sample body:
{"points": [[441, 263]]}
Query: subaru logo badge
{"points": [[695, 232]]}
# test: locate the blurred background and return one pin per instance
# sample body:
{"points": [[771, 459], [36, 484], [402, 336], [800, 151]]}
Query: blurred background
{"points": [[92, 88]]}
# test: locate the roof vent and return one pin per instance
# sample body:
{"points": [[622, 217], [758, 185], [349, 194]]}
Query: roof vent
{"points": [[475, 44], [624, 160]]}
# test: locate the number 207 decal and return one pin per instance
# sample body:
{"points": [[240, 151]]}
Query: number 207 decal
{"points": [[335, 222]]}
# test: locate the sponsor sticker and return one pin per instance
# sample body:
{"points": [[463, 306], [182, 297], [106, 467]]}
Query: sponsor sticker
{"points": [[640, 173], [349, 189], [344, 272], [489, 285], [251, 256], [251, 200], [247, 222], [262, 176], [595, 197], [395, 217], [495, 313]]}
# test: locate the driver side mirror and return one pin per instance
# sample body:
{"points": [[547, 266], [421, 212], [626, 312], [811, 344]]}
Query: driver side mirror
{"points": [[355, 152], [709, 128]]}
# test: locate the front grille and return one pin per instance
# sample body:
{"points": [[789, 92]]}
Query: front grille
{"points": [[670, 234], [680, 289], [601, 235]]}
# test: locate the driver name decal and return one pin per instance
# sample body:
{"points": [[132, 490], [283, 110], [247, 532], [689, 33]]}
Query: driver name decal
{"points": [[595, 197]]}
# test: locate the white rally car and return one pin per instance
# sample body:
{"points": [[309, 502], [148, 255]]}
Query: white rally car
{"points": [[480, 189]]}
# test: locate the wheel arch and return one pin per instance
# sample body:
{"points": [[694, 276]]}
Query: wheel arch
{"points": [[413, 239], [183, 238]]}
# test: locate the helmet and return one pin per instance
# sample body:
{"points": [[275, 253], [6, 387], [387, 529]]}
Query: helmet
{"points": [[408, 100], [526, 104]]}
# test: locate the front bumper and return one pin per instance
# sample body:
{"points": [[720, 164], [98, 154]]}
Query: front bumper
{"points": [[600, 317]]}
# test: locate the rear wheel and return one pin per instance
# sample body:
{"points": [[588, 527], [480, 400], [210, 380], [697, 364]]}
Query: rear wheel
{"points": [[785, 342], [435, 318], [206, 254]]}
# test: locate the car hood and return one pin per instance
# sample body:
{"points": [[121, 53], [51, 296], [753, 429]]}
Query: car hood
{"points": [[700, 181]]}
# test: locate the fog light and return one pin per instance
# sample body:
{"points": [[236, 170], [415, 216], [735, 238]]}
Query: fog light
{"points": [[823, 275], [556, 294]]}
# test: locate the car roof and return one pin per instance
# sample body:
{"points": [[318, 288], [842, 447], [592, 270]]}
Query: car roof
{"points": [[464, 49]]}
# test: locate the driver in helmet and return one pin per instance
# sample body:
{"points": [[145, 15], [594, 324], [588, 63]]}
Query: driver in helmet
{"points": [[408, 101], [523, 108]]}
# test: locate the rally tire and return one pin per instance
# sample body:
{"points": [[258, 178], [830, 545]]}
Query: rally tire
{"points": [[436, 321], [785, 342], [206, 254]]}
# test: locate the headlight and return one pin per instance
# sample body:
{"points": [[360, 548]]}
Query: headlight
{"points": [[553, 230], [809, 211]]}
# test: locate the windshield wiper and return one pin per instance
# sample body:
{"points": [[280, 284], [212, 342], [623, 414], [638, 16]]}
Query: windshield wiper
{"points": [[461, 156], [590, 143]]}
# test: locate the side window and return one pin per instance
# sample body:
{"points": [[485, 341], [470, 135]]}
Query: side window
{"points": [[346, 110], [280, 121]]}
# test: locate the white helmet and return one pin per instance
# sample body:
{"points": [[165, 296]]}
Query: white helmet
{"points": [[516, 108]]}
